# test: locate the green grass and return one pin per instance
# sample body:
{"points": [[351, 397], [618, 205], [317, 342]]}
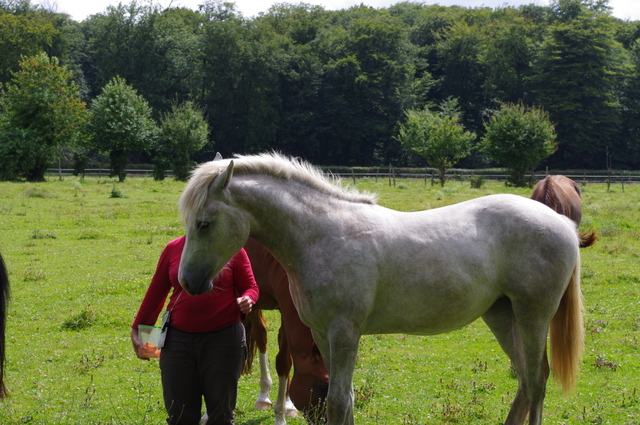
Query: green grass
{"points": [[80, 260]]}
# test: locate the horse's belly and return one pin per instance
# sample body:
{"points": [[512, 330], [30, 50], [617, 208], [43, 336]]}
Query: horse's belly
{"points": [[429, 315]]}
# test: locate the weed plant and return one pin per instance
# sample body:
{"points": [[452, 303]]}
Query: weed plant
{"points": [[80, 261]]}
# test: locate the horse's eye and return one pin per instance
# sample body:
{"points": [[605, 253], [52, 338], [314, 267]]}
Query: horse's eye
{"points": [[203, 225]]}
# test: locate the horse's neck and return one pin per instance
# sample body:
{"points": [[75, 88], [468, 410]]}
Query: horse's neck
{"points": [[282, 214]]}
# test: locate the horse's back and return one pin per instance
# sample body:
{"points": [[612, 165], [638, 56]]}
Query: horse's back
{"points": [[495, 218], [456, 261]]}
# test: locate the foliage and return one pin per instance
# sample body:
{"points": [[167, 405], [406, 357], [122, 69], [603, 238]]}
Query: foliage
{"points": [[251, 60], [41, 111], [154, 50], [438, 137], [183, 131], [366, 82], [628, 149], [506, 57], [19, 151], [332, 86], [519, 138], [120, 123], [23, 33], [577, 74], [459, 59]]}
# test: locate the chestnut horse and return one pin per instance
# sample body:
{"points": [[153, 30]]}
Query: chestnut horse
{"points": [[310, 383], [4, 301], [563, 195]]}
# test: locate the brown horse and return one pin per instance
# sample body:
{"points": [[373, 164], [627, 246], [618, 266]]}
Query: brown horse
{"points": [[4, 301], [310, 382], [563, 195]]}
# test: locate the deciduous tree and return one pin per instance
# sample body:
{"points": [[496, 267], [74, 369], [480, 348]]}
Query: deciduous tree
{"points": [[121, 122], [519, 138], [183, 131], [438, 137], [40, 111]]}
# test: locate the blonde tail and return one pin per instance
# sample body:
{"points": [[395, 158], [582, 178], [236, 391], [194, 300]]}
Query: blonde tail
{"points": [[567, 334]]}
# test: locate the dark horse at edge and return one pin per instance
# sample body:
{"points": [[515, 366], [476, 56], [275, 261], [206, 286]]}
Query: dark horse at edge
{"points": [[4, 302]]}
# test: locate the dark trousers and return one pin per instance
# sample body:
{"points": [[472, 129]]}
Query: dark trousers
{"points": [[197, 365]]}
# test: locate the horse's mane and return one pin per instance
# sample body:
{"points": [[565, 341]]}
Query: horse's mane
{"points": [[551, 195], [547, 192], [275, 165]]}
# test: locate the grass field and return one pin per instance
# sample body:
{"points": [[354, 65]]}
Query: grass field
{"points": [[81, 254]]}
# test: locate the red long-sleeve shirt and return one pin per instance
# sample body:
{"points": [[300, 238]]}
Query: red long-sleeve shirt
{"points": [[217, 309]]}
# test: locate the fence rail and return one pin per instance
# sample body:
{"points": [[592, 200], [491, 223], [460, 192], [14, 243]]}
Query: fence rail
{"points": [[104, 172], [579, 178], [460, 175]]}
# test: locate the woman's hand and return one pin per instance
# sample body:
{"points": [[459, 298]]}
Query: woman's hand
{"points": [[137, 344], [245, 304]]}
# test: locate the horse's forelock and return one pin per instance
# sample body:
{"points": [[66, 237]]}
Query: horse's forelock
{"points": [[194, 196]]}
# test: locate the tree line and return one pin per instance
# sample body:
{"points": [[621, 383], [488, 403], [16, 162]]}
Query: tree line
{"points": [[333, 87]]}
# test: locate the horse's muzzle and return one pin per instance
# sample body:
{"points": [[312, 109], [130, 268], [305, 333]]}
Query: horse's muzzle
{"points": [[196, 288]]}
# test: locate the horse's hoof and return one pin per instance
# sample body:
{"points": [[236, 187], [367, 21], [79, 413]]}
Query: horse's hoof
{"points": [[263, 405], [292, 413]]}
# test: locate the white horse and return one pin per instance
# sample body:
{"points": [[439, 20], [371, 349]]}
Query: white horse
{"points": [[358, 268]]}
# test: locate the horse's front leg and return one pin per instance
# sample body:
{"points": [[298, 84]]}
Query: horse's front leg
{"points": [[342, 345], [284, 407]]}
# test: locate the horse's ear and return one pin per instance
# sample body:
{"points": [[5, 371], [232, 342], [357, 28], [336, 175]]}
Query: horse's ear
{"points": [[222, 181], [218, 157]]}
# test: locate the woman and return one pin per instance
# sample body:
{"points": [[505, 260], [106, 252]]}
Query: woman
{"points": [[205, 346]]}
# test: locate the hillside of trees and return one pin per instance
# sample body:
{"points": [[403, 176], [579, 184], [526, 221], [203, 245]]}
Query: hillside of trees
{"points": [[332, 87]]}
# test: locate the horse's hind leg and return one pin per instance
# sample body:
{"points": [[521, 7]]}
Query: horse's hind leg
{"points": [[263, 402], [529, 359], [502, 322], [533, 328]]}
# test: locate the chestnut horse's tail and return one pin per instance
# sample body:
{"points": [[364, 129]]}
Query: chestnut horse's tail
{"points": [[587, 238], [256, 330], [567, 334], [4, 303]]}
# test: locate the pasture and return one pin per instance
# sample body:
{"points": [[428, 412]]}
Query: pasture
{"points": [[81, 253]]}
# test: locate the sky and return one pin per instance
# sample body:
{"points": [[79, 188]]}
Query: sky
{"points": [[81, 9]]}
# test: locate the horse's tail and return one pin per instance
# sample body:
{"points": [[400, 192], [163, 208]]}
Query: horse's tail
{"points": [[256, 329], [567, 334], [587, 238], [4, 303]]}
